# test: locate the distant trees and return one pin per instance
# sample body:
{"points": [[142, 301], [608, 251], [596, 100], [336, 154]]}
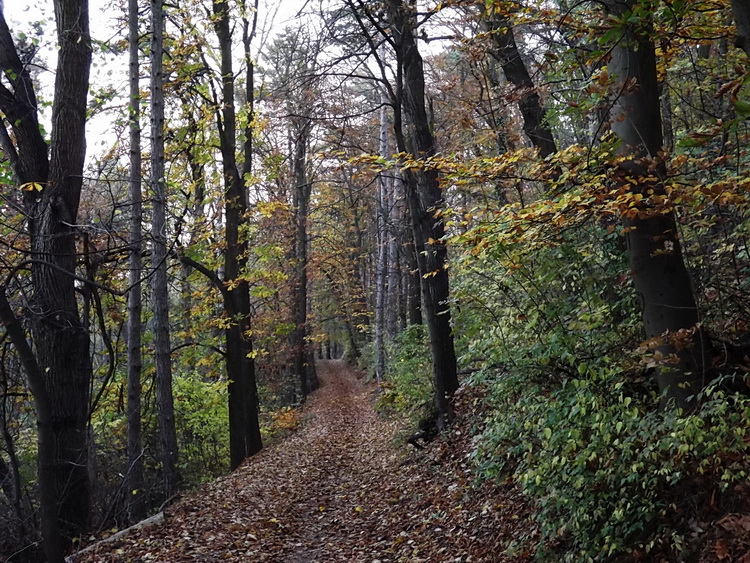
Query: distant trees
{"points": [[293, 84], [401, 76]]}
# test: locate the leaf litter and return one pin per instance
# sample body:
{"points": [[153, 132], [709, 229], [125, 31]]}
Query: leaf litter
{"points": [[343, 488]]}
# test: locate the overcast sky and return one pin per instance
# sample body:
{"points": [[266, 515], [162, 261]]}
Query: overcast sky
{"points": [[36, 19]]}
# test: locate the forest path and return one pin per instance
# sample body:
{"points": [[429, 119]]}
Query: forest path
{"points": [[338, 490]]}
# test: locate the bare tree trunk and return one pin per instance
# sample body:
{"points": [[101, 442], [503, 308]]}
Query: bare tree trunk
{"points": [[301, 205], [506, 52], [381, 258], [59, 368], [10, 475], [134, 475], [394, 302], [661, 280], [425, 199], [244, 426], [413, 283], [160, 291]]}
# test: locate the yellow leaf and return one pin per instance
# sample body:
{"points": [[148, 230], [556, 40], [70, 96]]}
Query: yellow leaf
{"points": [[31, 186]]}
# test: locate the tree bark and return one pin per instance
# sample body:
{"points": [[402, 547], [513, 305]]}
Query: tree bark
{"points": [[134, 475], [506, 52], [661, 280], [395, 308], [244, 426], [301, 205], [425, 200], [381, 256], [741, 14], [59, 367], [160, 290], [10, 475]]}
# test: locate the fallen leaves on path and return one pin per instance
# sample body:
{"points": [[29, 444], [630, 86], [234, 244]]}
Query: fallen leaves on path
{"points": [[342, 488]]}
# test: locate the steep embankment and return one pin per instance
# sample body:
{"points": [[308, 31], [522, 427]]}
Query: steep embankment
{"points": [[339, 489]]}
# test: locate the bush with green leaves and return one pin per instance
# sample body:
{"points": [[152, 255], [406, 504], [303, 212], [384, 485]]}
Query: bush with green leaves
{"points": [[408, 387], [548, 308], [552, 326], [201, 419], [608, 473]]}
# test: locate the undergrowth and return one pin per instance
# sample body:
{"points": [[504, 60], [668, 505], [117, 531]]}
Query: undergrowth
{"points": [[407, 388], [551, 327]]}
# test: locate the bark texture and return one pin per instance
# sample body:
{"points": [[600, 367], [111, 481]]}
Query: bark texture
{"points": [[244, 426], [506, 51], [425, 200], [159, 288], [134, 473], [302, 191], [661, 280], [58, 366], [741, 14]]}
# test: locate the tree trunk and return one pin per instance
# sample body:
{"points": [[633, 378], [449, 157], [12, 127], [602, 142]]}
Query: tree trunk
{"points": [[301, 206], [425, 200], [660, 277], [381, 256], [10, 475], [244, 426], [413, 284], [59, 368], [134, 474], [741, 14], [506, 52], [395, 304], [160, 291]]}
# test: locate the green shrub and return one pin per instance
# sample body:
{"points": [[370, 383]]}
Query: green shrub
{"points": [[609, 474], [552, 325], [408, 383], [201, 419]]}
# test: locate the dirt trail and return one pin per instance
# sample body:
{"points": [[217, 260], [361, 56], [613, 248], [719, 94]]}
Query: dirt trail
{"points": [[339, 489]]}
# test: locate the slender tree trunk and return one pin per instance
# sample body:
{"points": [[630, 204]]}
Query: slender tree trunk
{"points": [[425, 200], [667, 125], [395, 303], [252, 420], [381, 258], [413, 282], [301, 205], [10, 475], [661, 280], [160, 291], [134, 475], [506, 51]]}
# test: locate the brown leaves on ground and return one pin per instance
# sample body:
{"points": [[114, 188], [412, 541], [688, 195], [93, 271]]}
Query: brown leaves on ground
{"points": [[340, 489]]}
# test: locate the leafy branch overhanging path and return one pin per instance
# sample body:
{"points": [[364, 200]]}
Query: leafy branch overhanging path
{"points": [[339, 489]]}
